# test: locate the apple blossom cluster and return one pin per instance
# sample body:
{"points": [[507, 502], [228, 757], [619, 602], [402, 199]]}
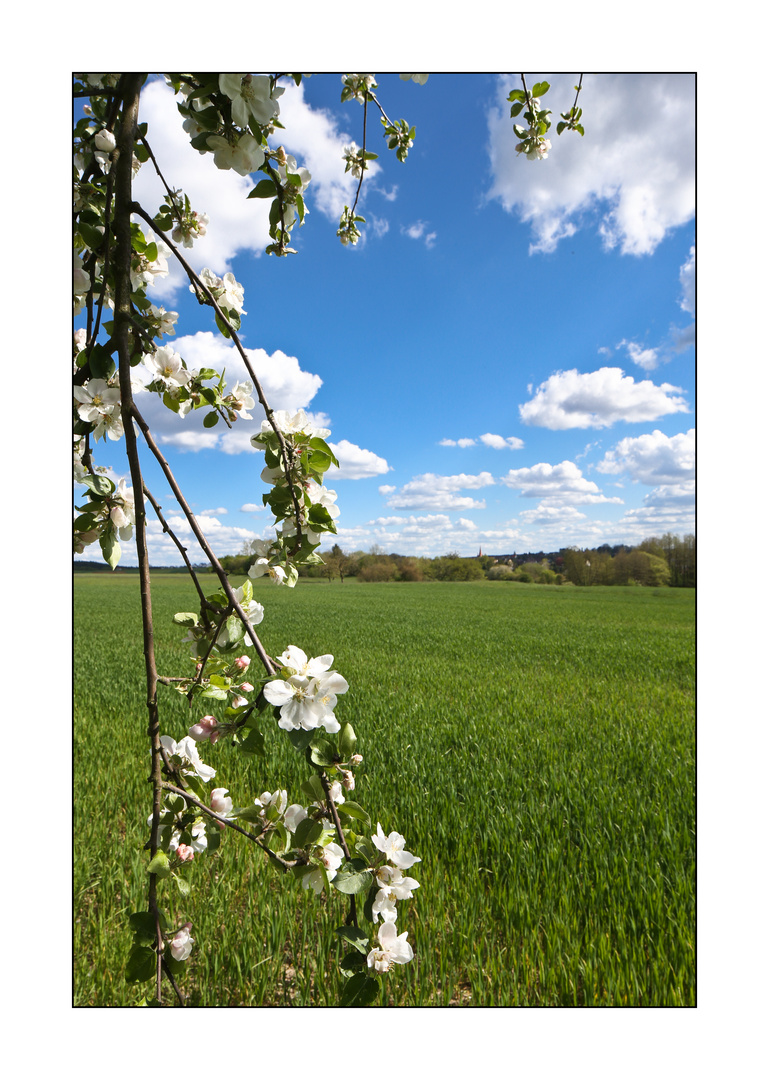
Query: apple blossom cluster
{"points": [[219, 627], [348, 231], [108, 515], [307, 696], [296, 458], [533, 143]]}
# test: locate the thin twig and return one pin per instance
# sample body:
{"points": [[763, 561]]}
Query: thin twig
{"points": [[286, 453], [216, 565]]}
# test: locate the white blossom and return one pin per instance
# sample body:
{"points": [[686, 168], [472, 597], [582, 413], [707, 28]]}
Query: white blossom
{"points": [[181, 944], [251, 97], [393, 846], [393, 948], [188, 752], [244, 156]]}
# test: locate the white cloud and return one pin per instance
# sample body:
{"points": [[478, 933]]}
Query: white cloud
{"points": [[431, 492], [216, 512], [500, 442], [558, 485], [635, 164], [645, 358], [599, 399], [417, 231], [355, 463], [224, 539], [387, 489], [668, 508], [653, 459], [687, 276], [464, 443], [251, 508], [552, 515]]}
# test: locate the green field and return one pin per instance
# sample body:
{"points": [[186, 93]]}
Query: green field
{"points": [[535, 745]]}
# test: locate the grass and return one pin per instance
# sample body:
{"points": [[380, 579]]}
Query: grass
{"points": [[535, 745]]}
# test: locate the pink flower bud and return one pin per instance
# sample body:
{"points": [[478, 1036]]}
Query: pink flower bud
{"points": [[185, 853], [204, 729], [242, 662], [356, 759], [246, 687], [238, 702]]}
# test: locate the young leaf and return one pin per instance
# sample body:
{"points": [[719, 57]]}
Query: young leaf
{"points": [[358, 938], [360, 990]]}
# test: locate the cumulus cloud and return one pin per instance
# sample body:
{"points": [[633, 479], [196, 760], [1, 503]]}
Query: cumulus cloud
{"points": [[688, 283], [501, 442], [558, 485], [355, 463], [645, 358], [632, 175], [654, 458], [668, 508], [251, 508], [431, 492], [418, 231], [464, 443], [598, 399], [225, 539]]}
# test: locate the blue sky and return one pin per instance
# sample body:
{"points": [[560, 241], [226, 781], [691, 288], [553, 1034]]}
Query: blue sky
{"points": [[505, 360]]}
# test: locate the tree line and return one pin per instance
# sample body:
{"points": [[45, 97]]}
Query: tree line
{"points": [[666, 560]]}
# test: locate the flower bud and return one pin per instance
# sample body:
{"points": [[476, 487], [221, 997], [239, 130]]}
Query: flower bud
{"points": [[356, 759], [204, 729], [238, 702], [242, 662], [220, 802], [185, 853], [246, 687]]}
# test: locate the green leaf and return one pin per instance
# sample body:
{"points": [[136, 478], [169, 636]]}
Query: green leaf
{"points": [[142, 964], [186, 618], [355, 811], [211, 419], [143, 925], [314, 789], [353, 878], [182, 885], [265, 189], [351, 962], [358, 938], [540, 88], [98, 484], [322, 752], [110, 548], [300, 740], [100, 362], [159, 865], [360, 990], [307, 832], [253, 742], [516, 95]]}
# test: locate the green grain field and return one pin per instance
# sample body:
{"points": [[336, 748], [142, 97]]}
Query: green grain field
{"points": [[535, 745]]}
